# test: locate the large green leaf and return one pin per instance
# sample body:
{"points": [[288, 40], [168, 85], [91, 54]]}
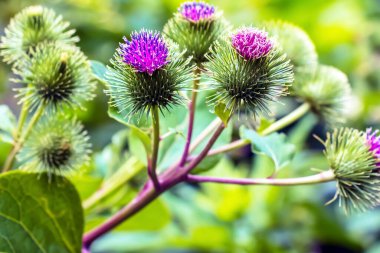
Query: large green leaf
{"points": [[7, 124], [274, 146], [39, 216]]}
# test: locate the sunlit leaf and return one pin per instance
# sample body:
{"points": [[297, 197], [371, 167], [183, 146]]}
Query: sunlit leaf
{"points": [[274, 146], [39, 216]]}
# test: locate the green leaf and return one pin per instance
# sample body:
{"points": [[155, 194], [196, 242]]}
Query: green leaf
{"points": [[264, 124], [39, 216], [222, 112], [99, 70], [7, 124], [135, 129], [274, 146]]}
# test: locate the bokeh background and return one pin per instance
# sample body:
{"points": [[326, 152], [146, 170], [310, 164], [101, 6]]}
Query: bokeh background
{"points": [[217, 218]]}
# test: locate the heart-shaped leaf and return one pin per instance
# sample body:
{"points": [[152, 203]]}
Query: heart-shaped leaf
{"points": [[39, 216]]}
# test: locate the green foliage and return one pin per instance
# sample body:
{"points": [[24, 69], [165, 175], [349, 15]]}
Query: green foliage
{"points": [[136, 131], [99, 70], [7, 125], [215, 217], [274, 146], [38, 216], [223, 112]]}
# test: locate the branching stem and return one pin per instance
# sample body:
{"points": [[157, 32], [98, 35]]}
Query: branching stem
{"points": [[192, 106], [173, 176], [287, 120], [325, 176], [19, 142]]}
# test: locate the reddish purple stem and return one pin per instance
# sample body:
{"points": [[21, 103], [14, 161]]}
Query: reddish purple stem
{"points": [[171, 177]]}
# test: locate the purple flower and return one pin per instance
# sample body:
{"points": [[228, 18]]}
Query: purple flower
{"points": [[195, 11], [251, 43], [373, 141], [145, 52]]}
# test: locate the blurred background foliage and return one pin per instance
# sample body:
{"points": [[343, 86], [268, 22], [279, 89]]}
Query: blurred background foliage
{"points": [[219, 218]]}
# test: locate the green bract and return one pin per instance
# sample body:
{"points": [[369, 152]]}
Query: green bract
{"points": [[327, 90], [55, 75], [196, 37], [56, 145], [30, 27], [135, 92], [247, 85], [355, 169], [295, 43]]}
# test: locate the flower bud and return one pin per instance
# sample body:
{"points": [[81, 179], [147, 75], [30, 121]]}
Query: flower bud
{"points": [[56, 145], [296, 44], [327, 90], [55, 75], [196, 27], [353, 156], [146, 72], [247, 72], [33, 25]]}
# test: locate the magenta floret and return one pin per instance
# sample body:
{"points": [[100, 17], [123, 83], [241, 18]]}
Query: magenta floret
{"points": [[145, 52], [251, 43], [196, 11]]}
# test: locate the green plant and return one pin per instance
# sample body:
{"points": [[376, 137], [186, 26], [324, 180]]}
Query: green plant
{"points": [[197, 67]]}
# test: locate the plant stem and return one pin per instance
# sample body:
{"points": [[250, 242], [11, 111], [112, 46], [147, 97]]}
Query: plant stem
{"points": [[21, 120], [146, 196], [128, 170], [325, 176], [20, 142], [152, 163], [192, 106], [172, 177], [278, 125], [287, 120], [224, 149], [207, 148], [204, 134]]}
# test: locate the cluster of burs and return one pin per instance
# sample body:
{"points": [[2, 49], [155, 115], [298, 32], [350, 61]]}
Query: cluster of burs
{"points": [[243, 69]]}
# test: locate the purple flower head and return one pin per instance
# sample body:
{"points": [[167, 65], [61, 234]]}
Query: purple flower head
{"points": [[145, 52], [373, 140], [195, 11], [251, 43]]}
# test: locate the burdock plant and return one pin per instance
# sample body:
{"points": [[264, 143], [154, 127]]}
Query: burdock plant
{"points": [[54, 76], [29, 28], [57, 145], [196, 27], [151, 78], [247, 71]]}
